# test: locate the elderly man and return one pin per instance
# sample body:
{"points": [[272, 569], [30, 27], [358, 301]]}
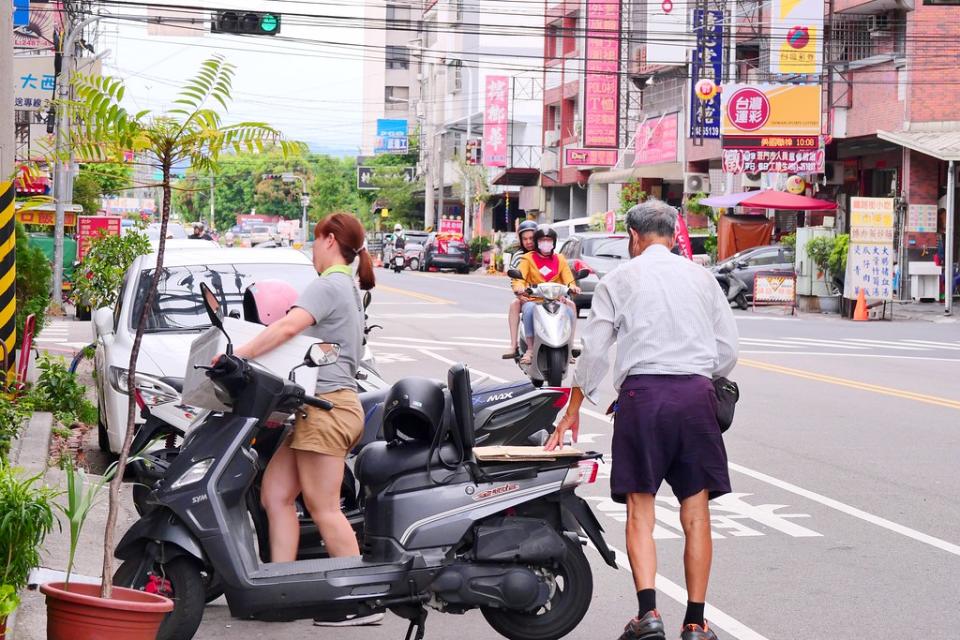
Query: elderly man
{"points": [[674, 332]]}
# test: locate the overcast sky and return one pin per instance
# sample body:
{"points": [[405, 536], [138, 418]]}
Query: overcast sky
{"points": [[311, 91]]}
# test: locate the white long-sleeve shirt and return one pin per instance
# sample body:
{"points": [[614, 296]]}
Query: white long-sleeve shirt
{"points": [[667, 315]]}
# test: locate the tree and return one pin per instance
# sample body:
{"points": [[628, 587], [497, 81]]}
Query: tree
{"points": [[192, 133]]}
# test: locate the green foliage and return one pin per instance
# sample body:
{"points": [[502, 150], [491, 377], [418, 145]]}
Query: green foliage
{"points": [[82, 494], [631, 194], [97, 180], [33, 282], [789, 240], [86, 193], [819, 250], [838, 256], [104, 265], [396, 193], [26, 517], [478, 245], [9, 600], [59, 392], [13, 415], [710, 246]]}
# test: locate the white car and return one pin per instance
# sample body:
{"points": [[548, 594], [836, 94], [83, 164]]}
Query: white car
{"points": [[174, 320]]}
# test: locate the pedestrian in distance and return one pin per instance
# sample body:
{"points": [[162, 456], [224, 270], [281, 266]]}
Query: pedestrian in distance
{"points": [[674, 332]]}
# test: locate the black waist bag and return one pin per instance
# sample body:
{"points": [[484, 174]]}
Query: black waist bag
{"points": [[727, 395]]}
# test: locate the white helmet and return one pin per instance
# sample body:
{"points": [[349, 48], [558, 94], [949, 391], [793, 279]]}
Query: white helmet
{"points": [[398, 227]]}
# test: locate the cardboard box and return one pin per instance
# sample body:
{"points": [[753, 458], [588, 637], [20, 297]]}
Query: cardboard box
{"points": [[198, 389]]}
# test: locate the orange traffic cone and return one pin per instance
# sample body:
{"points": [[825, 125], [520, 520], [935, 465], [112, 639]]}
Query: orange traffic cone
{"points": [[860, 313]]}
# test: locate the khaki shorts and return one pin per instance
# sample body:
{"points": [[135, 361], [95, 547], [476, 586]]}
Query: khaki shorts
{"points": [[334, 432]]}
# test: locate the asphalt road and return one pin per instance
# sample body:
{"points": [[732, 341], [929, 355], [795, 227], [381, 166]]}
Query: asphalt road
{"points": [[844, 522]]}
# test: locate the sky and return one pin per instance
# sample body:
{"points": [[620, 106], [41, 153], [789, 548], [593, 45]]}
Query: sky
{"points": [[311, 91]]}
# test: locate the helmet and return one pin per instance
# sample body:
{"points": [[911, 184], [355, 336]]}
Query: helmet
{"points": [[414, 407], [267, 301], [398, 227], [198, 224], [526, 225], [543, 231]]}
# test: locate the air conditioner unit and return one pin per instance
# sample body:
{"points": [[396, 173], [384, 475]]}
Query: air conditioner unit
{"points": [[878, 24], [750, 180], [551, 138], [696, 183], [549, 162], [833, 173]]}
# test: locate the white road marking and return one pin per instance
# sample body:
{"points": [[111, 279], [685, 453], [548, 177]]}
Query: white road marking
{"points": [[440, 316], [503, 343], [480, 374], [827, 343], [848, 355], [391, 345], [769, 343], [882, 344], [938, 345], [407, 304]]}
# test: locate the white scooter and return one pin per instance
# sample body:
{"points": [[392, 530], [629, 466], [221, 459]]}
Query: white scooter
{"points": [[552, 333]]}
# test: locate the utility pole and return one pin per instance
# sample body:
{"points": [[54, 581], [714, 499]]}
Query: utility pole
{"points": [[62, 139], [7, 126], [468, 177], [304, 200], [213, 210], [427, 143], [948, 239]]}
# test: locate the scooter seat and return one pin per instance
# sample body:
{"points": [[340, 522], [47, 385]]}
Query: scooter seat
{"points": [[381, 462]]}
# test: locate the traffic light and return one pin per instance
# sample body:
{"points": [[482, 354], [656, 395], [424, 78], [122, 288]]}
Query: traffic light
{"points": [[271, 176], [255, 23]]}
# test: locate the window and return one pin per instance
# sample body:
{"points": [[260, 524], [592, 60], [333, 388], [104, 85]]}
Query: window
{"points": [[858, 36], [569, 35], [397, 57], [764, 258], [569, 250], [430, 30], [398, 17], [553, 37], [454, 76], [569, 117], [396, 98]]}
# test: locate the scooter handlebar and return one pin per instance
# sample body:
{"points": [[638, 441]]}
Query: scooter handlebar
{"points": [[318, 403]]}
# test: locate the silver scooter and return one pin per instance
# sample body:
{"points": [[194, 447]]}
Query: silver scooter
{"points": [[552, 333]]}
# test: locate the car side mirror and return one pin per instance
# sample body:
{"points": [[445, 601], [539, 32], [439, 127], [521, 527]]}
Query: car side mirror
{"points": [[321, 354], [581, 274], [742, 264], [515, 274], [103, 321]]}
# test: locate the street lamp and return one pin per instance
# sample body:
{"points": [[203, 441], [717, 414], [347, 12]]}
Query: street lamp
{"points": [[304, 199]]}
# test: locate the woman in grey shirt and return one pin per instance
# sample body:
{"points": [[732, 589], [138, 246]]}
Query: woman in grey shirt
{"points": [[311, 460]]}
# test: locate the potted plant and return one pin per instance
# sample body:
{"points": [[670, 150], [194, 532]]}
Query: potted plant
{"points": [[27, 508], [820, 249], [191, 133]]}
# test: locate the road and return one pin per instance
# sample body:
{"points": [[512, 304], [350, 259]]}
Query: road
{"points": [[845, 517]]}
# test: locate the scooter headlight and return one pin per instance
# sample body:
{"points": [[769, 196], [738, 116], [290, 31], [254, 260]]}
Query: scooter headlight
{"points": [[194, 474], [552, 291]]}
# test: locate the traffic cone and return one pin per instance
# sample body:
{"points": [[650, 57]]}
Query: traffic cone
{"points": [[378, 261], [860, 313]]}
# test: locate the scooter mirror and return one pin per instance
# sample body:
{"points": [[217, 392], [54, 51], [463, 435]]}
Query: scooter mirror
{"points": [[367, 297], [515, 274], [214, 312], [581, 274], [321, 354]]}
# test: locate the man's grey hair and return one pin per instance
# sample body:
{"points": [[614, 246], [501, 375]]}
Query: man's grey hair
{"points": [[654, 217]]}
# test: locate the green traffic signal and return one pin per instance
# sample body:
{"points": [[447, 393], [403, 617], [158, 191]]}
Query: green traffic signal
{"points": [[269, 23]]}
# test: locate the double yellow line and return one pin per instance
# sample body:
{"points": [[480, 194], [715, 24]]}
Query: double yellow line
{"points": [[853, 384]]}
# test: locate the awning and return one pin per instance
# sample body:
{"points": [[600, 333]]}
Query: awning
{"points": [[769, 200], [518, 176], [944, 145], [665, 171]]}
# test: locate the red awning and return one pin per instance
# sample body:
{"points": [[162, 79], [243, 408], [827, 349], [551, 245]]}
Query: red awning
{"points": [[787, 201], [518, 177]]}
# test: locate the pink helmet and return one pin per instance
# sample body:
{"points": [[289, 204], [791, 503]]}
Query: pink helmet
{"points": [[267, 301]]}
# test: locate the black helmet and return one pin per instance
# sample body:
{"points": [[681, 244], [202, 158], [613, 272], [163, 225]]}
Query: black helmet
{"points": [[526, 225], [544, 231], [414, 407]]}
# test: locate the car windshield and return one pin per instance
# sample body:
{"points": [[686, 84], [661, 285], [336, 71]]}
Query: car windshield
{"points": [[747, 254], [173, 231], [615, 247], [178, 306], [418, 238]]}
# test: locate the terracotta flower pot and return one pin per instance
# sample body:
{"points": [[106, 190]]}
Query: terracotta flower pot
{"points": [[81, 614]]}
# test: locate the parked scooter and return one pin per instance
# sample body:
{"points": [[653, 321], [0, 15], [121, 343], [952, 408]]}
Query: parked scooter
{"points": [[441, 529], [552, 333], [733, 287]]}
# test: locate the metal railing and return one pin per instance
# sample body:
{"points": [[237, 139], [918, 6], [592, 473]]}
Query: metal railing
{"points": [[525, 156]]}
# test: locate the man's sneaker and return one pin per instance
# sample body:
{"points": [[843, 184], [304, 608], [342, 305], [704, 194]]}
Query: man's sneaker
{"points": [[649, 627], [696, 632], [350, 621]]}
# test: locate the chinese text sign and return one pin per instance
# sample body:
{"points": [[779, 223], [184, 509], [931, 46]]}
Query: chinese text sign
{"points": [[495, 122], [601, 113]]}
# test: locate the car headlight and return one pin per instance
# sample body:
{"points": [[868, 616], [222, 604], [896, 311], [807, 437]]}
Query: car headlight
{"points": [[194, 474], [152, 390]]}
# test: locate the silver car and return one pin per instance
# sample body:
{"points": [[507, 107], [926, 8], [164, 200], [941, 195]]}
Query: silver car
{"points": [[599, 253]]}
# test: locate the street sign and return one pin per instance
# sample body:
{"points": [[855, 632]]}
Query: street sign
{"points": [[391, 136], [366, 175], [304, 201], [91, 227]]}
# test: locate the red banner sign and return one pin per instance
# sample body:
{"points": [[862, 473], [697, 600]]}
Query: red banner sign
{"points": [[91, 227], [451, 225], [590, 157], [495, 122], [46, 218], [773, 161], [681, 238], [601, 113]]}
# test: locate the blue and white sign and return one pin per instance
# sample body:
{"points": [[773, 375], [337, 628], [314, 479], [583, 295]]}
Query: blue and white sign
{"points": [[21, 13], [391, 136], [707, 64]]}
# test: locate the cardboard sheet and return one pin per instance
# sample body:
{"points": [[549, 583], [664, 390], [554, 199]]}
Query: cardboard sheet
{"points": [[523, 454]]}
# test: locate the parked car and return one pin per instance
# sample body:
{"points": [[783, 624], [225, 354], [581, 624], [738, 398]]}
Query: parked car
{"points": [[413, 256], [566, 228], [175, 231], [446, 251], [174, 320], [749, 262], [261, 233], [599, 253]]}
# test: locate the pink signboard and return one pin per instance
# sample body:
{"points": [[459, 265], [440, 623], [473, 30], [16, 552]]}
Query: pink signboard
{"points": [[91, 227], [590, 157], [451, 225], [601, 114], [495, 122], [656, 140]]}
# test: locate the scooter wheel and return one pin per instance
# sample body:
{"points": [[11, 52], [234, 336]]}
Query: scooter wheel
{"points": [[561, 615], [742, 301], [181, 580]]}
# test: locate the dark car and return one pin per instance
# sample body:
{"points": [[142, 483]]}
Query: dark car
{"points": [[749, 262], [443, 251], [599, 253]]}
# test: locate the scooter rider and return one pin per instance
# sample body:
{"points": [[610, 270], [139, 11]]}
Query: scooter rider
{"points": [[543, 265], [199, 233], [525, 231], [311, 461]]}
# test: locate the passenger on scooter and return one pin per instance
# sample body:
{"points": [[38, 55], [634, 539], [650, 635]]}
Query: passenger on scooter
{"points": [[311, 461], [525, 231], [544, 265]]}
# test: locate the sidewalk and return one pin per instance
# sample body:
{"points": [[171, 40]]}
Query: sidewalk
{"points": [[925, 311]]}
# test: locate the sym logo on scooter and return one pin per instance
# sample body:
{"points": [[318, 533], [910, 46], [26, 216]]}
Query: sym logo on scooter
{"points": [[498, 397], [496, 491]]}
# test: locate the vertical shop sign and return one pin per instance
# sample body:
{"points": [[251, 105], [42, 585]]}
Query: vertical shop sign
{"points": [[870, 259], [796, 40], [601, 113], [495, 122], [707, 64]]}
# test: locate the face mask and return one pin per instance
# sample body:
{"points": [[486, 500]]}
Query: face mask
{"points": [[545, 246]]}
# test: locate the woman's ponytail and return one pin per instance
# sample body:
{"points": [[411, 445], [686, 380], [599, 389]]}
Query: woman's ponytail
{"points": [[365, 270]]}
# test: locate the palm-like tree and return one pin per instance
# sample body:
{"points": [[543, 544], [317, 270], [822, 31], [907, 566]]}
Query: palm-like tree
{"points": [[191, 132]]}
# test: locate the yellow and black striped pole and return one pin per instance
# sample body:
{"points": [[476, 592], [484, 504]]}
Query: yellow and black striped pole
{"points": [[8, 278]]}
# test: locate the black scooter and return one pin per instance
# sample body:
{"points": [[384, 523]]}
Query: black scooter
{"points": [[733, 287], [441, 529]]}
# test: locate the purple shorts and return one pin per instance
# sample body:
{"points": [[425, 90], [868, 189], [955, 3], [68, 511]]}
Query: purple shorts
{"points": [[666, 429]]}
